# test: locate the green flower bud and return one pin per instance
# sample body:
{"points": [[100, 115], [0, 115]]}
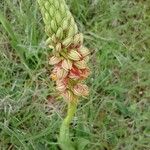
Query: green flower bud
{"points": [[59, 33], [58, 47], [67, 41], [53, 25]]}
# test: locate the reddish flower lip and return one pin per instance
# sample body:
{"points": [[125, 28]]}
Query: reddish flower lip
{"points": [[79, 73], [75, 71]]}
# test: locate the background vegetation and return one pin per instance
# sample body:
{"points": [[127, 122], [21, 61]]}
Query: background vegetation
{"points": [[115, 115]]}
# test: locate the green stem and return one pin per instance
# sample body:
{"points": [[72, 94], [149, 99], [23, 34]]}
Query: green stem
{"points": [[64, 139]]}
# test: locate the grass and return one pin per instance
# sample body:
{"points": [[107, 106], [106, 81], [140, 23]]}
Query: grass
{"points": [[115, 115]]}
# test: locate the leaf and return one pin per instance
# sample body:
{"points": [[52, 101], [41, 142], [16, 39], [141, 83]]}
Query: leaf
{"points": [[82, 143]]}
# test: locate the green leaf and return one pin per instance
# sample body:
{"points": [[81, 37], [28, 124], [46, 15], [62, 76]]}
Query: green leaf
{"points": [[82, 143]]}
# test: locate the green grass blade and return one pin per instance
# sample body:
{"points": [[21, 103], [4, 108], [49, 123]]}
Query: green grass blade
{"points": [[14, 40]]}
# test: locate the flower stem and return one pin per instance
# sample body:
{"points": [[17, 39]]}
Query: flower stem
{"points": [[64, 139]]}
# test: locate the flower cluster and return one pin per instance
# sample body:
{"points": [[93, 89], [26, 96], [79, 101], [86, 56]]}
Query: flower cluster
{"points": [[70, 59]]}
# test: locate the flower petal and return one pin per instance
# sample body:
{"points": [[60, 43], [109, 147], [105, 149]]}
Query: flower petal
{"points": [[81, 90], [54, 60], [74, 73], [61, 85], [74, 55], [80, 64], [67, 64], [61, 73], [84, 51]]}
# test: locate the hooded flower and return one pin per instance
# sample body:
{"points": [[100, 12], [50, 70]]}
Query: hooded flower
{"points": [[54, 60], [81, 89]]}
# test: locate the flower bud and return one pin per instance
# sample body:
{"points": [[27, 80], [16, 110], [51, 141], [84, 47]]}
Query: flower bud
{"points": [[51, 47], [46, 17], [65, 24], [48, 41], [86, 59], [54, 60], [56, 3], [54, 39], [52, 10], [53, 25], [62, 8], [67, 64], [76, 40], [80, 64], [58, 47], [59, 33], [71, 31], [84, 51], [67, 41], [81, 90], [74, 55], [47, 5]]}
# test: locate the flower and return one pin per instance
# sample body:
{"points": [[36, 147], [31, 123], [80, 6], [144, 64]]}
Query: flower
{"points": [[80, 74], [74, 55], [81, 89], [66, 64], [84, 51], [54, 60], [61, 85], [78, 39], [59, 72], [58, 47], [80, 64], [74, 73]]}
